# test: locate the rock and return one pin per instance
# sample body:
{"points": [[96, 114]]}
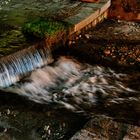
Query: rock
{"points": [[104, 128], [107, 51], [84, 134], [87, 36], [133, 133]]}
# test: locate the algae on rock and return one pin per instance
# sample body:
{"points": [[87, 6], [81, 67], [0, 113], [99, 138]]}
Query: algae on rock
{"points": [[45, 28]]}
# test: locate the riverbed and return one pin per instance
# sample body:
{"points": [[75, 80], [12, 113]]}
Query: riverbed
{"points": [[98, 66]]}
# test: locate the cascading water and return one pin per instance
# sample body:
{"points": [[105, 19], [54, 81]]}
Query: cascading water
{"points": [[69, 84], [16, 66]]}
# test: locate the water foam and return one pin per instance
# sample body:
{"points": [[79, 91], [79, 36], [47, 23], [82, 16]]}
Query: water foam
{"points": [[71, 85], [16, 66]]}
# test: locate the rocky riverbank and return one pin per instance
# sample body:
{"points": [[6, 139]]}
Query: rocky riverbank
{"points": [[112, 42], [104, 45]]}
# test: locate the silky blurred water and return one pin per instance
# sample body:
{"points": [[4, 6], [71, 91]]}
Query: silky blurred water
{"points": [[78, 87], [16, 66]]}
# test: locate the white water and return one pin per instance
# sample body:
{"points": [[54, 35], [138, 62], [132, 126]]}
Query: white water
{"points": [[16, 66], [71, 85]]}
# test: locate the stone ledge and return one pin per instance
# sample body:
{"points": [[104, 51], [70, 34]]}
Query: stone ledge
{"points": [[93, 12], [81, 15]]}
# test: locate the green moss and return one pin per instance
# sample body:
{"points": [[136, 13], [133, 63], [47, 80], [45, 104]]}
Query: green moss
{"points": [[44, 28]]}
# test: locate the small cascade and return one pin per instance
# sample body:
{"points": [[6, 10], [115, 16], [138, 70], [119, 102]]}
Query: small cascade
{"points": [[75, 86], [16, 66], [66, 83]]}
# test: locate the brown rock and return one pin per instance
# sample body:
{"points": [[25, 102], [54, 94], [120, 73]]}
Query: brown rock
{"points": [[107, 51], [103, 128]]}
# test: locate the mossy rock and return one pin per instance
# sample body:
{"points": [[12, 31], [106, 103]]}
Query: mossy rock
{"points": [[11, 37], [41, 28]]}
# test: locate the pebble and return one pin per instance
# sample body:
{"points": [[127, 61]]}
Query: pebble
{"points": [[87, 36], [107, 52], [138, 59], [8, 112]]}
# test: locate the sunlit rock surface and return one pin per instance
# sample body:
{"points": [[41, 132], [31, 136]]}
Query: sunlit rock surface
{"points": [[14, 14]]}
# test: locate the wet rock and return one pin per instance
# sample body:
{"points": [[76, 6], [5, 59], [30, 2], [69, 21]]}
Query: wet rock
{"points": [[133, 133], [101, 127], [87, 36], [107, 52], [112, 30], [105, 46], [3, 136]]}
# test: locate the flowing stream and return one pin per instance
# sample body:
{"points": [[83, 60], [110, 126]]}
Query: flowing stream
{"points": [[16, 66], [59, 92], [65, 83]]}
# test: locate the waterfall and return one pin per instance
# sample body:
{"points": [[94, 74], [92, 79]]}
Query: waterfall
{"points": [[73, 85], [66, 83], [17, 65]]}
